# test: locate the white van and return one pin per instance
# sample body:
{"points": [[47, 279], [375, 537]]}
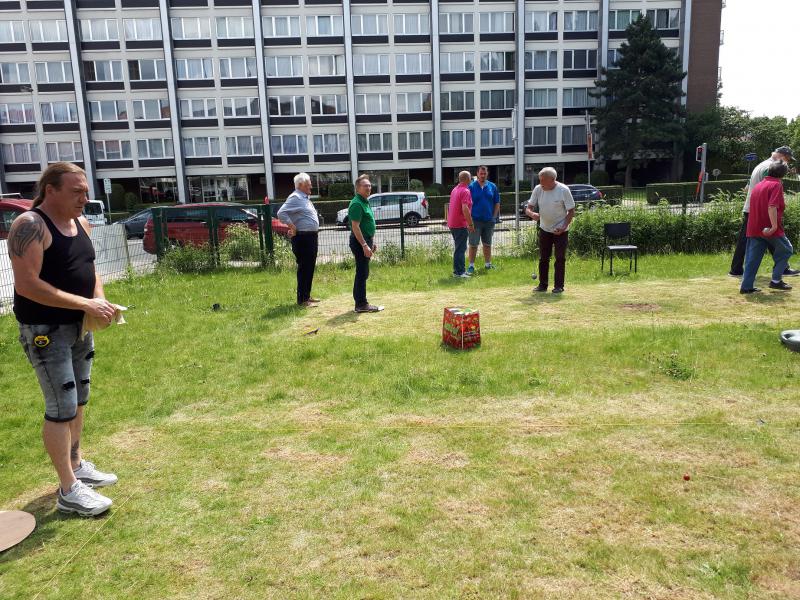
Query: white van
{"points": [[94, 212]]}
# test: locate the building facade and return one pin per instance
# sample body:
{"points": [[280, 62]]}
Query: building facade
{"points": [[192, 100]]}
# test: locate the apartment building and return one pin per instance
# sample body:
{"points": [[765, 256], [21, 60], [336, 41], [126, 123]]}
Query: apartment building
{"points": [[194, 100]]}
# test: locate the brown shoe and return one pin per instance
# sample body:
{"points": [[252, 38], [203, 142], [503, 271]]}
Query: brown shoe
{"points": [[368, 308], [313, 300], [308, 304]]}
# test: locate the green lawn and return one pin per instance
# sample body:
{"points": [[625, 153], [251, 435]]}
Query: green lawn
{"points": [[366, 461]]}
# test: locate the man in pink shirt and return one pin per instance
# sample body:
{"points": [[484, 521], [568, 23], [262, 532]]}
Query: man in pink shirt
{"points": [[459, 220]]}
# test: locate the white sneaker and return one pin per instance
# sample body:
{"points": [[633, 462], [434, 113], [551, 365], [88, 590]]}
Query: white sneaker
{"points": [[462, 275], [82, 500], [88, 474]]}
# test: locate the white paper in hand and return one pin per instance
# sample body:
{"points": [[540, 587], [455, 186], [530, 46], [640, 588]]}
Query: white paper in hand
{"points": [[91, 323]]}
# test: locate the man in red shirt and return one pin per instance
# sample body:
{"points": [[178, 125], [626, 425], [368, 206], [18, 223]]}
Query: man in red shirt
{"points": [[459, 220], [765, 230]]}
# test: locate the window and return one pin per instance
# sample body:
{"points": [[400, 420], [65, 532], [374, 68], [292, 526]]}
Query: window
{"points": [[497, 61], [369, 24], [497, 99], [15, 73], [99, 30], [198, 108], [457, 62], [329, 104], [326, 65], [112, 149], [190, 28], [573, 135], [372, 104], [234, 27], [244, 145], [20, 153], [108, 110], [412, 24], [155, 148], [240, 107], [49, 31], [414, 102], [374, 142], [147, 69], [665, 18], [580, 59], [371, 64], [613, 57], [198, 147], [54, 72], [59, 112], [194, 68], [497, 22], [580, 20], [412, 64], [618, 20], [286, 106], [541, 60], [540, 136], [415, 140], [281, 26], [541, 98], [324, 25], [284, 66], [492, 138], [456, 23], [578, 98], [288, 144], [456, 101], [12, 31], [331, 143], [102, 70], [58, 151], [151, 110], [240, 67], [541, 20], [458, 139], [16, 113], [142, 29]]}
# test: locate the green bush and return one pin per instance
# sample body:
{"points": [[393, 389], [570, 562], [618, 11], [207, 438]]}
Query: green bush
{"points": [[240, 243], [600, 178], [187, 259], [581, 178], [341, 190], [130, 201], [437, 189], [117, 196], [612, 194], [283, 255], [684, 192], [415, 185], [525, 185]]}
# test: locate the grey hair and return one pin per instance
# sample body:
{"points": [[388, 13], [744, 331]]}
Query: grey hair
{"points": [[778, 168], [548, 172], [301, 178], [464, 176]]}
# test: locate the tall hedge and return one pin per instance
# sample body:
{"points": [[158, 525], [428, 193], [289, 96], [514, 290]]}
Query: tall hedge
{"points": [[684, 193]]}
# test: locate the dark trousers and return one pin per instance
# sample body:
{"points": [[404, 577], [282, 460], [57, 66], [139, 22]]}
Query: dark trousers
{"points": [[304, 246], [460, 235], [546, 243], [362, 270], [737, 263]]}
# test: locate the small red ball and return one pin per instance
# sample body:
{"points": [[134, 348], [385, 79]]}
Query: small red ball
{"points": [[686, 477]]}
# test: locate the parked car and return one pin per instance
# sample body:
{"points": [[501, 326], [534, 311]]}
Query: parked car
{"points": [[582, 193], [134, 225], [187, 223], [10, 209], [386, 208], [94, 213]]}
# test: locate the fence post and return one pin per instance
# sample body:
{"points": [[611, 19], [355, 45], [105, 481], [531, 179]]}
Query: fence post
{"points": [[268, 232], [261, 245], [158, 231], [213, 238], [402, 230]]}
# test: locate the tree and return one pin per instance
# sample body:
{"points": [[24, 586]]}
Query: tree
{"points": [[641, 117]]}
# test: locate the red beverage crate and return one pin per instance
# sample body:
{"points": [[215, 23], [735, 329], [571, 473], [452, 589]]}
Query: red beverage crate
{"points": [[461, 328]]}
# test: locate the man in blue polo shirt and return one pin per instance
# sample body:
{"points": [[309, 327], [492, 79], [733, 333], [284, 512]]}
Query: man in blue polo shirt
{"points": [[485, 209]]}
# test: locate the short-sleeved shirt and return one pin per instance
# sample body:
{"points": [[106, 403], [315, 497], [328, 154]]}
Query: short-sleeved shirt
{"points": [[459, 198], [360, 211], [756, 177], [483, 200], [767, 193], [552, 205]]}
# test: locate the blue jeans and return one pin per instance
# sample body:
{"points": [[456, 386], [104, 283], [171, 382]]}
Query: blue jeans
{"points": [[460, 235], [756, 246]]}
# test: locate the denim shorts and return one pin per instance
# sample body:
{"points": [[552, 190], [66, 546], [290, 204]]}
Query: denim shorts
{"points": [[63, 365], [484, 230]]}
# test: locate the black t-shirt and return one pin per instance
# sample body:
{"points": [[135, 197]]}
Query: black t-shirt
{"points": [[68, 264]]}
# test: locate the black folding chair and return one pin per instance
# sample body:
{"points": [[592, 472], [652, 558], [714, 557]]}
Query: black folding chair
{"points": [[616, 232]]}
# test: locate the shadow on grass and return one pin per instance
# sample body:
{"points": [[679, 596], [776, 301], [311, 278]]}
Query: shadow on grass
{"points": [[542, 298], [282, 310], [342, 319]]}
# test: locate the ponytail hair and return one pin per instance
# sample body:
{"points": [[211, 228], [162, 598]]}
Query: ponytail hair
{"points": [[52, 176]]}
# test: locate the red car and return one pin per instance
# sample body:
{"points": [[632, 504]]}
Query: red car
{"points": [[186, 223], [10, 209]]}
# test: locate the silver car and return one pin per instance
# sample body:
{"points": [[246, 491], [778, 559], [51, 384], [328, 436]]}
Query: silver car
{"points": [[386, 208]]}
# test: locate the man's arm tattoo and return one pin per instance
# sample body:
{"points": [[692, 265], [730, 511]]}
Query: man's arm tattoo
{"points": [[25, 234]]}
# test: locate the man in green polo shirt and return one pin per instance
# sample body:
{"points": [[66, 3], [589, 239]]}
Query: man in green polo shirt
{"points": [[362, 245]]}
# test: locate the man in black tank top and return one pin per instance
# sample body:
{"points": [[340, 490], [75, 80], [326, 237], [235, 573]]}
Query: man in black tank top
{"points": [[55, 284]]}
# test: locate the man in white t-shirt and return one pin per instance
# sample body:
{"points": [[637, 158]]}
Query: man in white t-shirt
{"points": [[552, 205]]}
